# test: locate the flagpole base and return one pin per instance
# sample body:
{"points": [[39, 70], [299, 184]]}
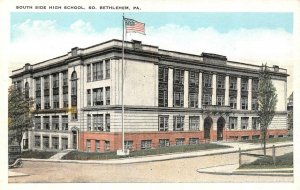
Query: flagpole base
{"points": [[123, 153]]}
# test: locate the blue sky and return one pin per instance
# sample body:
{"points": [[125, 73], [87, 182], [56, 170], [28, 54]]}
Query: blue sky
{"points": [[222, 22]]}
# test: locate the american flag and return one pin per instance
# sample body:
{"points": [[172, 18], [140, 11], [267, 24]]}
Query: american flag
{"points": [[134, 26]]}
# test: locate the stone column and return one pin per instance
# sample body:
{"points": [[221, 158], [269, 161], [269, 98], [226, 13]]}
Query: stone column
{"points": [[238, 123], [51, 91], [42, 93], [238, 98], [250, 123], [186, 89], [201, 123], [214, 89], [156, 85], [250, 94], [42, 144], [227, 90], [170, 88], [200, 91], [60, 83]]}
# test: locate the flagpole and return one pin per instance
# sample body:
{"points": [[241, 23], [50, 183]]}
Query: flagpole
{"points": [[122, 98]]}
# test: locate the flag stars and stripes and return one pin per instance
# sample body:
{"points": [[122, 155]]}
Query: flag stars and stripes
{"points": [[134, 26]]}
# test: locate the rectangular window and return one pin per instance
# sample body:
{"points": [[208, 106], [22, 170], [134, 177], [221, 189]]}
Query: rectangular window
{"points": [[38, 93], [178, 76], [97, 96], [106, 145], [46, 102], [88, 145], [206, 99], [254, 104], [220, 100], [254, 85], [55, 142], [97, 71], [232, 122], [37, 122], [163, 98], [107, 95], [146, 144], [46, 82], [232, 101], [65, 78], [65, 123], [179, 141], [164, 142], [244, 103], [207, 80], [88, 73], [46, 123], [55, 123], [37, 141], [107, 123], [193, 78], [163, 74], [97, 145], [178, 99], [107, 69], [55, 80], [89, 122], [193, 141], [255, 123], [232, 83], [221, 81], [55, 101], [98, 122], [89, 101], [45, 142], [244, 122], [65, 100], [194, 123], [64, 143], [244, 84], [193, 100], [128, 145], [178, 88], [178, 122], [163, 123]]}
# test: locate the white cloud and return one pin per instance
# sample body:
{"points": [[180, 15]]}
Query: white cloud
{"points": [[41, 40]]}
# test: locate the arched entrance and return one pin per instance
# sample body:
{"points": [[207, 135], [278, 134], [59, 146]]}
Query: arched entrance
{"points": [[220, 127], [74, 137], [207, 126]]}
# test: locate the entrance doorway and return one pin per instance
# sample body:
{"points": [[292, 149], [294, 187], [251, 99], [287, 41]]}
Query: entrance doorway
{"points": [[220, 128], [74, 132], [207, 126]]}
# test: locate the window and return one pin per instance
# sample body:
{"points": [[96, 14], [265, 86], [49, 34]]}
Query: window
{"points": [[65, 78], [46, 122], [255, 137], [107, 69], [55, 123], [45, 142], [179, 141], [244, 84], [255, 123], [55, 142], [193, 78], [194, 123], [97, 71], [65, 122], [89, 122], [232, 102], [89, 102], [46, 82], [88, 73], [74, 116], [178, 122], [254, 104], [38, 93], [106, 145], [146, 144], [220, 100], [254, 85], [244, 122], [107, 122], [88, 145], [232, 83], [98, 96], [232, 122], [74, 89], [65, 89], [107, 95], [178, 88], [193, 141], [163, 74], [221, 81], [193, 100], [98, 122], [97, 145], [178, 99], [163, 123], [64, 143], [207, 80], [37, 122], [206, 99], [46, 102], [128, 145], [26, 90], [55, 80], [37, 141], [178, 76], [55, 101], [244, 103], [164, 142]]}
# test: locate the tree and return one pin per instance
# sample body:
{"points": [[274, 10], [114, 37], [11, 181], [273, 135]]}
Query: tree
{"points": [[19, 117], [267, 100]]}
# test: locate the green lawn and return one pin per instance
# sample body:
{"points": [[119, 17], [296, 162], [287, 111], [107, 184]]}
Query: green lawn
{"points": [[272, 140], [76, 155], [284, 161], [37, 154]]}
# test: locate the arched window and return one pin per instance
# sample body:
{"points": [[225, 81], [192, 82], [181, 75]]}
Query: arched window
{"points": [[26, 90]]}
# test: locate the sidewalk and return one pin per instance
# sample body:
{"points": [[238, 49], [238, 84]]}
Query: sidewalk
{"points": [[59, 155], [171, 156]]}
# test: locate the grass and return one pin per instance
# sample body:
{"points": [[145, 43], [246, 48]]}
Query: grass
{"points": [[76, 155], [271, 140], [284, 161], [37, 154]]}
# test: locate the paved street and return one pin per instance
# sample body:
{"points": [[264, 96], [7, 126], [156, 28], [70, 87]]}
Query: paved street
{"points": [[179, 170]]}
